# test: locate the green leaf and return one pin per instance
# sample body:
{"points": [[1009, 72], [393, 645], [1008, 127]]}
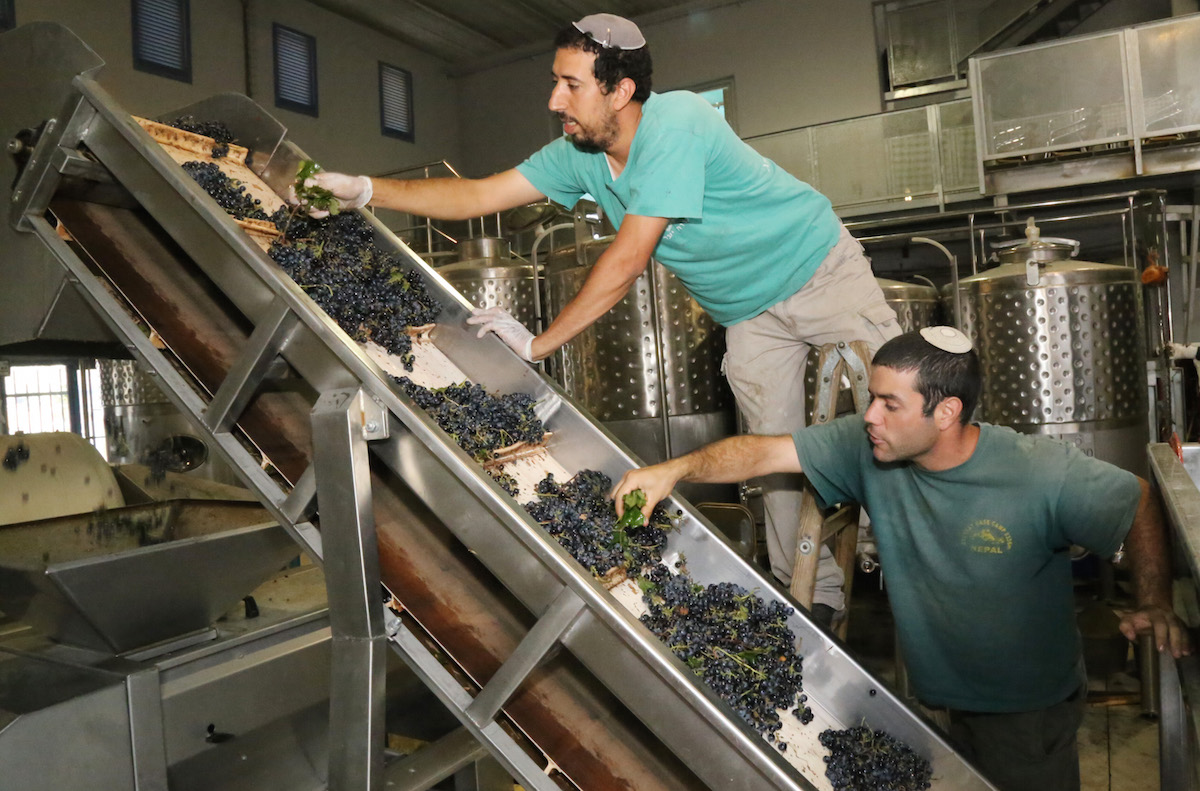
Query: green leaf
{"points": [[313, 197]]}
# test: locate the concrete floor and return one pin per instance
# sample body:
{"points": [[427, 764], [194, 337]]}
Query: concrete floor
{"points": [[1118, 747]]}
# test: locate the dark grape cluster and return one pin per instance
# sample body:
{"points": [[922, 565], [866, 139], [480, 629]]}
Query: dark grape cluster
{"points": [[220, 150], [361, 286], [229, 194], [506, 481], [476, 420], [581, 517], [861, 759], [740, 645], [217, 130]]}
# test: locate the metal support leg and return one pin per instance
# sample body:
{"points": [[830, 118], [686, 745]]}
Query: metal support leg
{"points": [[541, 638], [435, 762], [342, 422]]}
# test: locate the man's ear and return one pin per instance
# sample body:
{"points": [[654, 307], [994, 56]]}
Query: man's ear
{"points": [[947, 412], [622, 93]]}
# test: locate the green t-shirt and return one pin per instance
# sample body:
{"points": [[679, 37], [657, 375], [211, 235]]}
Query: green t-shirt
{"points": [[976, 557], [744, 234]]}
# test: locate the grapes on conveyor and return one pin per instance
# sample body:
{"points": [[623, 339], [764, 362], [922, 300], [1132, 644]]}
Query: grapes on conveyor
{"points": [[861, 759], [480, 423]]}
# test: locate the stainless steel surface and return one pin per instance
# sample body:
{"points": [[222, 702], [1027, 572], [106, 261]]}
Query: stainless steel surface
{"points": [[343, 421], [1179, 483], [1063, 356], [142, 425], [490, 282], [65, 727], [426, 482], [612, 367], [181, 567], [1179, 680], [917, 305], [434, 762], [1043, 250], [485, 247]]}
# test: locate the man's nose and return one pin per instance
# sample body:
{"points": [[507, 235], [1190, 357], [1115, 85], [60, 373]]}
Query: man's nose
{"points": [[556, 100], [872, 414]]}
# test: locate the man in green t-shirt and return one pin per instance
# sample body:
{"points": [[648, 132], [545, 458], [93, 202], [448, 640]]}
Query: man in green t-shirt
{"points": [[761, 251], [974, 524]]}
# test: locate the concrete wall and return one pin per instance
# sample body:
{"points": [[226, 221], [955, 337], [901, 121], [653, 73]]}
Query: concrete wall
{"points": [[793, 64], [345, 136]]}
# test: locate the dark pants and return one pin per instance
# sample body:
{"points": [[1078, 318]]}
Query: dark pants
{"points": [[1024, 751]]}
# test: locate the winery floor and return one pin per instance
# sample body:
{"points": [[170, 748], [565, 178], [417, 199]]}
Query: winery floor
{"points": [[1118, 746]]}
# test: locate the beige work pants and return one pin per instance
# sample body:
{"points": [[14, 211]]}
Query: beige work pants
{"points": [[764, 364]]}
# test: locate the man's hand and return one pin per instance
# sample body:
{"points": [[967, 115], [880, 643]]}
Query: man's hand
{"points": [[656, 482], [352, 192], [508, 329], [1169, 632]]}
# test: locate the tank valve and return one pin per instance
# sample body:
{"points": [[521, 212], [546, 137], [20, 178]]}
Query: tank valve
{"points": [[867, 564]]}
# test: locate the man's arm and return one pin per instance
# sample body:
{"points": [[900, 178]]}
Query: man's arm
{"points": [[1149, 566], [726, 461], [442, 199], [615, 271]]}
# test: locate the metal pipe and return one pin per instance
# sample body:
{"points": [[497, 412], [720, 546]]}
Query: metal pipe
{"points": [[1021, 208], [537, 274], [665, 409], [953, 276], [954, 231]]}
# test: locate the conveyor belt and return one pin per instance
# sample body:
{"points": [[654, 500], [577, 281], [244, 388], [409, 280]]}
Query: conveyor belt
{"points": [[254, 360]]}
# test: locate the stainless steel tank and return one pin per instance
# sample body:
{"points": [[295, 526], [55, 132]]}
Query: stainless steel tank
{"points": [[916, 306], [650, 368], [144, 427], [489, 276], [1060, 342]]}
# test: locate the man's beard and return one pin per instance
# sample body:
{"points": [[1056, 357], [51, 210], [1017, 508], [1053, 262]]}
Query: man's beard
{"points": [[595, 142]]}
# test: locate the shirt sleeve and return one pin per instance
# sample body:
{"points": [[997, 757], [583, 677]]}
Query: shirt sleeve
{"points": [[550, 171], [669, 178], [1096, 504], [830, 456]]}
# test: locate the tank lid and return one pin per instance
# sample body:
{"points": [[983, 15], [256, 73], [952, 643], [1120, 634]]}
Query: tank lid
{"points": [[483, 247], [1035, 247], [897, 289]]}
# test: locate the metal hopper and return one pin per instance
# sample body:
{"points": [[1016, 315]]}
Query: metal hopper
{"points": [[125, 579]]}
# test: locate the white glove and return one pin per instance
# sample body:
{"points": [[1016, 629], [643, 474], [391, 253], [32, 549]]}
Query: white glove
{"points": [[1181, 352], [508, 329], [352, 192]]}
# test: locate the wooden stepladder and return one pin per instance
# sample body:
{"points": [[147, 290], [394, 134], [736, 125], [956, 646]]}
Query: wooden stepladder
{"points": [[834, 360]]}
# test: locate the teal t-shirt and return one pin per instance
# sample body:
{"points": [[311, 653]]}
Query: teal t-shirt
{"points": [[976, 557], [744, 234]]}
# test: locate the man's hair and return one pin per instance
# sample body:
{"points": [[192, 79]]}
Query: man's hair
{"points": [[612, 64], [940, 374]]}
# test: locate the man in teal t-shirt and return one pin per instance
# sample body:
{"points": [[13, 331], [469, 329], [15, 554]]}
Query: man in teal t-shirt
{"points": [[973, 524], [761, 251]]}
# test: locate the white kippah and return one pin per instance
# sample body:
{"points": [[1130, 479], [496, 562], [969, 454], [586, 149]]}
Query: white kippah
{"points": [[947, 339], [610, 30]]}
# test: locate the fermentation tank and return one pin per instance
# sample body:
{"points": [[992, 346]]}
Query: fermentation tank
{"points": [[650, 368], [1060, 341], [488, 275], [144, 427]]}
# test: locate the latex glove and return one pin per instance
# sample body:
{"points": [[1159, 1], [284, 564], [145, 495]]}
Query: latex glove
{"points": [[508, 329], [1182, 352], [352, 192]]}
